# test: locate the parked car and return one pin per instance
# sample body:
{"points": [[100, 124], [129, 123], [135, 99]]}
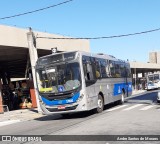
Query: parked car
{"points": [[150, 86]]}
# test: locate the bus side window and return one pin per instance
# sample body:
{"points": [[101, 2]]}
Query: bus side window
{"points": [[117, 70], [103, 68], [107, 68], [111, 68], [127, 71], [122, 69], [97, 68]]}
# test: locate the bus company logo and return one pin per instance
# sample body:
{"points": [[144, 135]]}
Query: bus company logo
{"points": [[119, 89], [6, 138], [130, 86], [61, 89], [69, 101]]}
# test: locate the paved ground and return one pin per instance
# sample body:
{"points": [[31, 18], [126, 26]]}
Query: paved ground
{"points": [[139, 115], [28, 114], [18, 115]]}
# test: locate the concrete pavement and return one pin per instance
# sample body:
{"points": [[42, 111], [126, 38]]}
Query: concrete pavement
{"points": [[18, 116], [29, 114]]}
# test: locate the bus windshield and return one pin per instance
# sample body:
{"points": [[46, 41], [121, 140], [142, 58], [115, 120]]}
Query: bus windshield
{"points": [[150, 77], [156, 77], [59, 78]]}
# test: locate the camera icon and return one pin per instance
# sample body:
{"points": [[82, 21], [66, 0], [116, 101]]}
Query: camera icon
{"points": [[6, 138]]}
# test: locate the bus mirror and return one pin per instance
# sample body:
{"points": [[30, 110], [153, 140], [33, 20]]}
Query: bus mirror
{"points": [[90, 82]]}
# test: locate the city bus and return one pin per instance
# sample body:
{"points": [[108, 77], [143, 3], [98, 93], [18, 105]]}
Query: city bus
{"points": [[69, 82]]}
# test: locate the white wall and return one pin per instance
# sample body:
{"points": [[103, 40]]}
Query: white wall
{"points": [[17, 37]]}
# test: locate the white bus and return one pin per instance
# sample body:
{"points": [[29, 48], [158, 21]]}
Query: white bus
{"points": [[78, 81]]}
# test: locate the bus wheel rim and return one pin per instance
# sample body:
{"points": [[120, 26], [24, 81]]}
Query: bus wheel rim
{"points": [[100, 103]]}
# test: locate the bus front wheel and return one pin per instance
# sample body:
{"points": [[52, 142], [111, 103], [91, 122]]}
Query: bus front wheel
{"points": [[100, 107]]}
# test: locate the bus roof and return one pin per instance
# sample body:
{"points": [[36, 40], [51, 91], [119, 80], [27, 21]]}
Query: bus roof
{"points": [[97, 55], [101, 55]]}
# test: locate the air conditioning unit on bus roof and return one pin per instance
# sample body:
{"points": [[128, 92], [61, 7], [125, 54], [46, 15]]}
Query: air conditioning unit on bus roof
{"points": [[105, 54], [112, 56], [100, 54]]}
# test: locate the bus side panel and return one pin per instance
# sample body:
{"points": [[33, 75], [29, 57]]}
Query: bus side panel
{"points": [[91, 96], [117, 85], [112, 89], [105, 87]]}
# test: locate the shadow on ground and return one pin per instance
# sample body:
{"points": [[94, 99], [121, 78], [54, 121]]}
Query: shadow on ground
{"points": [[65, 116], [147, 98]]}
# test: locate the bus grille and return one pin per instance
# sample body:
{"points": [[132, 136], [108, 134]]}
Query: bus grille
{"points": [[66, 109], [58, 97]]}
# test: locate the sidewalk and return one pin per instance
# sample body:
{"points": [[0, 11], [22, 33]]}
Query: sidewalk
{"points": [[30, 114], [19, 116]]}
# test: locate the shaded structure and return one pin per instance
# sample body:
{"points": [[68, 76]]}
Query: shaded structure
{"points": [[139, 71], [15, 58]]}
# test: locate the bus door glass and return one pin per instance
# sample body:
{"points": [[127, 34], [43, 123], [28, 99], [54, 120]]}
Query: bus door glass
{"points": [[89, 75], [88, 69]]}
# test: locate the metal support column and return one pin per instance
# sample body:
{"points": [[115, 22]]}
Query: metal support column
{"points": [[135, 79], [1, 101], [33, 58]]}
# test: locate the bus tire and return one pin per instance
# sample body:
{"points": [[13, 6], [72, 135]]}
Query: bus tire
{"points": [[66, 115], [100, 107]]}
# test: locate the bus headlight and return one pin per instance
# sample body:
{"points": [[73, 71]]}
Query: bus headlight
{"points": [[80, 97]]}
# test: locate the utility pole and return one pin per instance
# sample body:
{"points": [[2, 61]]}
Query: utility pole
{"points": [[33, 58], [135, 78]]}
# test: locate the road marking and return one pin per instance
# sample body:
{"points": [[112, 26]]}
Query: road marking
{"points": [[147, 107], [132, 107], [112, 109], [3, 123]]}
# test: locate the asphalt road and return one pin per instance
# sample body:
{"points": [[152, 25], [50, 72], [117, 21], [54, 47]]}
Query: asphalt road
{"points": [[139, 115]]}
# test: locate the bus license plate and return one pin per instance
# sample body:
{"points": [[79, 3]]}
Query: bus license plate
{"points": [[61, 107]]}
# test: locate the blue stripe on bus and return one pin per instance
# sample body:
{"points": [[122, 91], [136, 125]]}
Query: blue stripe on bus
{"points": [[118, 88], [61, 102]]}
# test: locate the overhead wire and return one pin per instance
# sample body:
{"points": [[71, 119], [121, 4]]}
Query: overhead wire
{"points": [[89, 38], [103, 37], [17, 15]]}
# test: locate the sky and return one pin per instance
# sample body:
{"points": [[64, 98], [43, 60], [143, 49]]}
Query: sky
{"points": [[94, 18]]}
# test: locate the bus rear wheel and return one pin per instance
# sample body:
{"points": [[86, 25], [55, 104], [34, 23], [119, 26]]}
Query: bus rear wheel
{"points": [[100, 107]]}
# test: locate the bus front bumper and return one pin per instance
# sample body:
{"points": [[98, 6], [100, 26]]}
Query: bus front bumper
{"points": [[70, 108]]}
